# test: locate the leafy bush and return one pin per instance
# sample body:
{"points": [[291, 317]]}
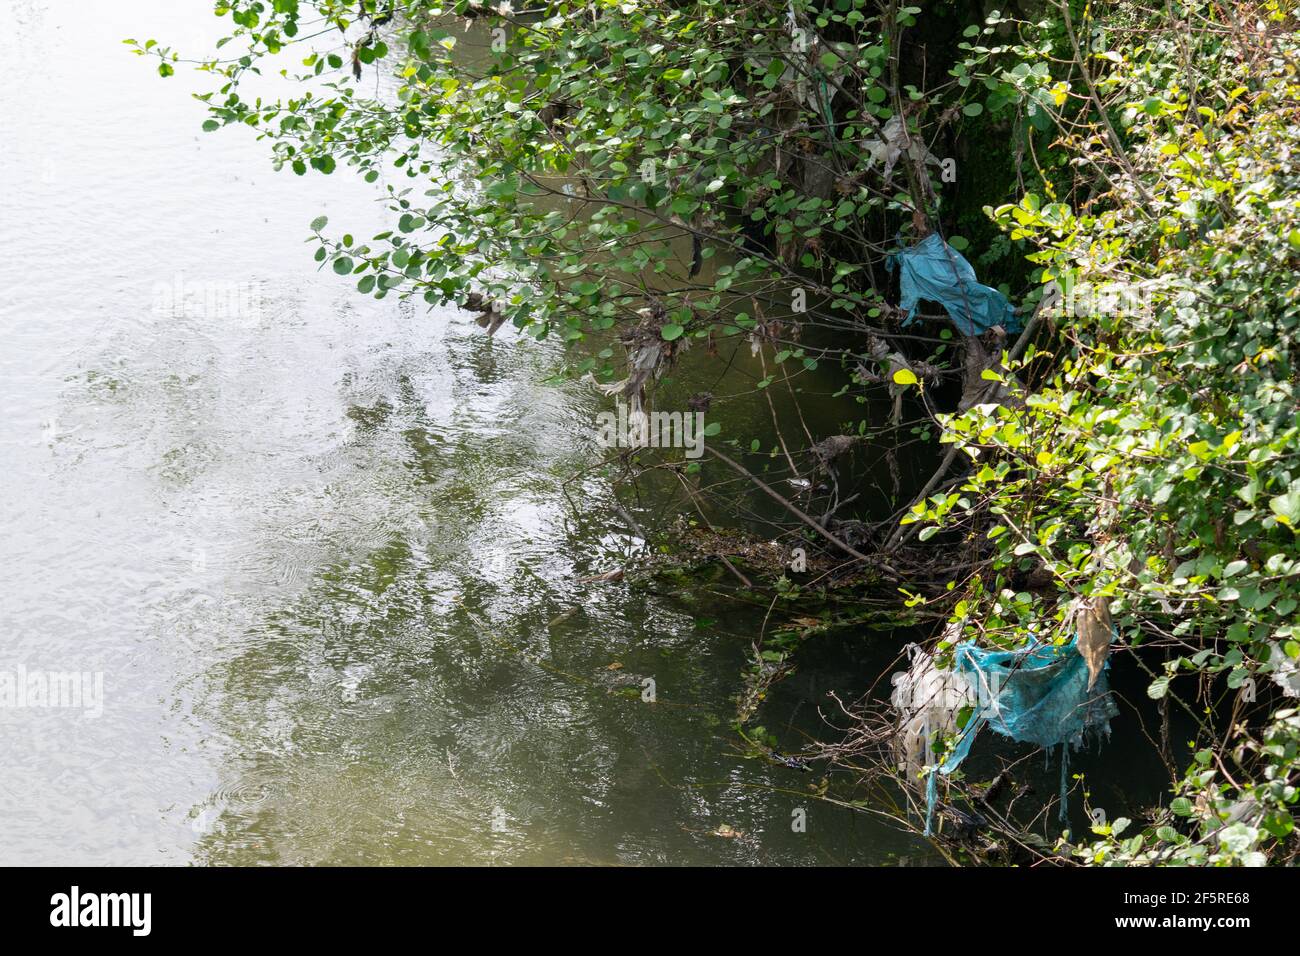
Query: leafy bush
{"points": [[1155, 463]]}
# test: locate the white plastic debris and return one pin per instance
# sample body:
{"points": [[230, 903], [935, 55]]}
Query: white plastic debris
{"points": [[927, 700]]}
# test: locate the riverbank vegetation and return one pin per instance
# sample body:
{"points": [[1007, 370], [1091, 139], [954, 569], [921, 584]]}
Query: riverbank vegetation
{"points": [[1113, 457]]}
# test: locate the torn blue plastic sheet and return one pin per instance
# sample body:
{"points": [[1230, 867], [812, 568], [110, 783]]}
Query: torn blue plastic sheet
{"points": [[935, 271], [1036, 695]]}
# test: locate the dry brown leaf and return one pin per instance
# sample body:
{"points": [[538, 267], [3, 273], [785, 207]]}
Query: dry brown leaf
{"points": [[1092, 623]]}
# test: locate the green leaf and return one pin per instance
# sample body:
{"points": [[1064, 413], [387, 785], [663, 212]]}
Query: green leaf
{"points": [[905, 376], [1287, 507], [319, 223], [671, 332]]}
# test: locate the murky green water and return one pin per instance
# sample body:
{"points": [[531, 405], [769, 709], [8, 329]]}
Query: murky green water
{"points": [[327, 552]]}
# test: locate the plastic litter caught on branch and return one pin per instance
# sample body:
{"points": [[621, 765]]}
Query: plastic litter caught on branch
{"points": [[928, 700], [935, 271], [1044, 695]]}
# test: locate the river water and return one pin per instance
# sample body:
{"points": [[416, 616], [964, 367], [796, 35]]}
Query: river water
{"points": [[325, 551]]}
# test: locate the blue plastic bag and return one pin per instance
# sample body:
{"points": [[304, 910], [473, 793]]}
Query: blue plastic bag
{"points": [[935, 271], [1036, 695]]}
